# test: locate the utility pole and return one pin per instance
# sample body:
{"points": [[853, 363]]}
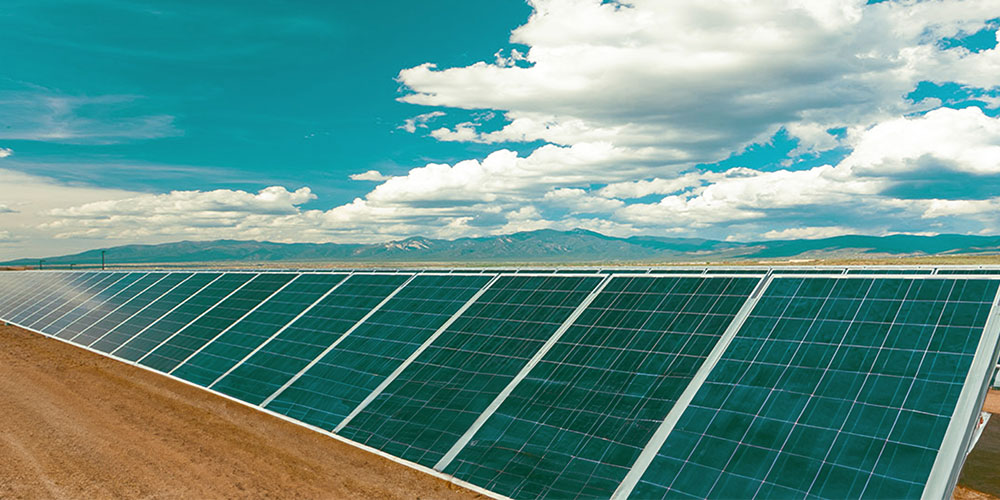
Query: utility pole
{"points": [[102, 260]]}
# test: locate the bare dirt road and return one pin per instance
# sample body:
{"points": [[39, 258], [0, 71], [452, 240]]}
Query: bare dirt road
{"points": [[74, 424]]}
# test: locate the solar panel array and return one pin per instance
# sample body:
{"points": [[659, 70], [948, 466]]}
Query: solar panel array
{"points": [[576, 383]]}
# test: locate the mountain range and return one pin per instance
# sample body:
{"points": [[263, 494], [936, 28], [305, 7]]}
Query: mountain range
{"points": [[542, 246]]}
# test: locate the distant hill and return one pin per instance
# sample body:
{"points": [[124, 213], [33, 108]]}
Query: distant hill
{"points": [[543, 246]]}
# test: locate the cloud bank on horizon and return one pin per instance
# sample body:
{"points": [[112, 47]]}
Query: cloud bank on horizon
{"points": [[638, 117]]}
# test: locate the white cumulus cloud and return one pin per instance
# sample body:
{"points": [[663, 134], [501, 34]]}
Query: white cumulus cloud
{"points": [[629, 99], [420, 121], [807, 233], [370, 175], [963, 140], [695, 81], [221, 213]]}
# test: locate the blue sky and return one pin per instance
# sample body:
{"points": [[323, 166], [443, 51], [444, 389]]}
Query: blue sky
{"points": [[218, 95], [125, 121]]}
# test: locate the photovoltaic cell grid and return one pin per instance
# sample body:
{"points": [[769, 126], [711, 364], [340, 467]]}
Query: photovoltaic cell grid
{"points": [[240, 341], [969, 271], [95, 325], [43, 294], [93, 305], [334, 386], [57, 298], [576, 424], [53, 320], [26, 302], [18, 287], [186, 311], [133, 317], [103, 308], [890, 271], [677, 271], [261, 375], [199, 332], [57, 295], [424, 411], [807, 271], [831, 389]]}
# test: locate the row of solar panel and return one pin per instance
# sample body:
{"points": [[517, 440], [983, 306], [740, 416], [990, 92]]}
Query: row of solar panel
{"points": [[895, 270], [564, 385]]}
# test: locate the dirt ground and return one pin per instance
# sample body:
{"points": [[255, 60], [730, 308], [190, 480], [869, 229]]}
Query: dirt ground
{"points": [[963, 493], [74, 424], [992, 403], [982, 468]]}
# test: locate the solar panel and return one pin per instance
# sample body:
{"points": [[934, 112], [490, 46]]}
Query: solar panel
{"points": [[325, 394], [778, 270], [119, 327], [88, 322], [19, 288], [574, 426], [186, 310], [56, 294], [259, 376], [574, 382], [193, 336], [995, 271], [33, 288], [240, 341], [94, 303], [890, 271], [428, 407], [834, 388], [66, 303], [699, 270]]}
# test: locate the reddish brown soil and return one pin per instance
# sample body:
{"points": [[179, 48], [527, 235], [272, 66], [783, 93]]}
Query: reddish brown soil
{"points": [[963, 493], [980, 475], [74, 424], [992, 404]]}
